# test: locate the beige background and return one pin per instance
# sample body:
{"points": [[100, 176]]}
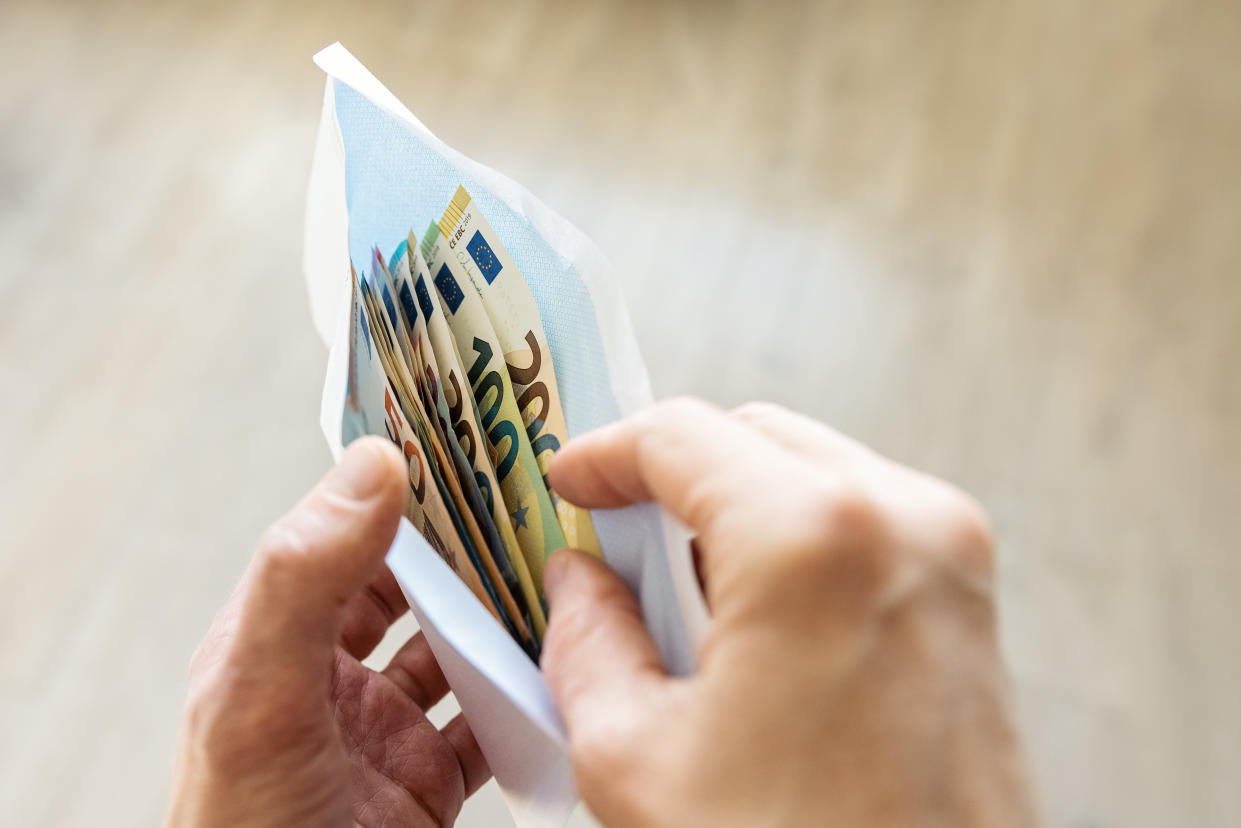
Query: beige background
{"points": [[998, 240]]}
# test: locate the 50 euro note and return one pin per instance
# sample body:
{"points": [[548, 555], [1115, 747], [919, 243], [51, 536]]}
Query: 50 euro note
{"points": [[481, 254], [371, 408]]}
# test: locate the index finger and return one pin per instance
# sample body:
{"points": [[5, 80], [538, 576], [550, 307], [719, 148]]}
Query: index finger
{"points": [[704, 466]]}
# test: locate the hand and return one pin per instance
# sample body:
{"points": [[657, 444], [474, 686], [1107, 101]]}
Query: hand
{"points": [[284, 726], [851, 675]]}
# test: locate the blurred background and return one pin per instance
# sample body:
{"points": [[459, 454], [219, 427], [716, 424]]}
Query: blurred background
{"points": [[999, 241]]}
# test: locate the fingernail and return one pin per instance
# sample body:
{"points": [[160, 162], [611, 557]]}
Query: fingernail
{"points": [[359, 474]]}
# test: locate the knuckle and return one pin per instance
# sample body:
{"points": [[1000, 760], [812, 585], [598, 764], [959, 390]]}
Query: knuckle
{"points": [[969, 537], [841, 541], [846, 514], [683, 407], [704, 500], [280, 550], [758, 411]]}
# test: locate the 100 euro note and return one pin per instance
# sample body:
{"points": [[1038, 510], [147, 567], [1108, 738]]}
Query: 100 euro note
{"points": [[378, 172], [514, 316]]}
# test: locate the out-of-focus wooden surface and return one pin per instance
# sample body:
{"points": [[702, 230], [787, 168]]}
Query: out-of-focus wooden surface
{"points": [[999, 241]]}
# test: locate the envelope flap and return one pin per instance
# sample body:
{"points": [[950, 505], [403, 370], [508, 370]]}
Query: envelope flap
{"points": [[501, 692]]}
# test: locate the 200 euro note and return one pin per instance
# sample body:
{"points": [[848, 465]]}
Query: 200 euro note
{"points": [[378, 172]]}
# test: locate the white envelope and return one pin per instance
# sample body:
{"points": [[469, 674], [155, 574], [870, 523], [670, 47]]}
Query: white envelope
{"points": [[377, 174]]}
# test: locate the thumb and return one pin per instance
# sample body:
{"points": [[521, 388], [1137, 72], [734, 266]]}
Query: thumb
{"points": [[598, 658], [320, 554]]}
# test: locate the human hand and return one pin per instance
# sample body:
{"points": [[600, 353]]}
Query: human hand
{"points": [[851, 675], [284, 725]]}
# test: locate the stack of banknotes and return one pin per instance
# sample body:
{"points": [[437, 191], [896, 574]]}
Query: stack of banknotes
{"points": [[449, 360]]}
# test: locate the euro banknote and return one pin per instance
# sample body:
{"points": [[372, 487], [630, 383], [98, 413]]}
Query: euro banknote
{"points": [[409, 392], [521, 481], [450, 361], [515, 318], [420, 376], [421, 311], [371, 408]]}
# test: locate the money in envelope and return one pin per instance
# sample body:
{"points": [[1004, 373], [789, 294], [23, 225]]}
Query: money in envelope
{"points": [[479, 330]]}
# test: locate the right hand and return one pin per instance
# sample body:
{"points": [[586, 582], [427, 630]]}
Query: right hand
{"points": [[851, 674]]}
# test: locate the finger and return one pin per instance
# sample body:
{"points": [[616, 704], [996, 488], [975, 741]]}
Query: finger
{"points": [[415, 670], [474, 768], [802, 435], [694, 459], [942, 514], [598, 657], [757, 508], [315, 558], [369, 614]]}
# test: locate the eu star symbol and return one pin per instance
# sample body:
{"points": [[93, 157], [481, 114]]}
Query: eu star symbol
{"points": [[519, 517]]}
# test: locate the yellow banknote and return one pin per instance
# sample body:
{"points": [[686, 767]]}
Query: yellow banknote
{"points": [[521, 482], [478, 251]]}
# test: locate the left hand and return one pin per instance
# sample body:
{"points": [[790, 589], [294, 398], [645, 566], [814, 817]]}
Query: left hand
{"points": [[284, 725]]}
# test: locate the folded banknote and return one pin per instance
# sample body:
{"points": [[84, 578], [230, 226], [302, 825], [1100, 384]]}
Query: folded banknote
{"points": [[479, 331]]}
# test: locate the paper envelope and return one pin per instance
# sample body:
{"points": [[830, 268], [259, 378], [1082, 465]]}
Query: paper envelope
{"points": [[377, 174]]}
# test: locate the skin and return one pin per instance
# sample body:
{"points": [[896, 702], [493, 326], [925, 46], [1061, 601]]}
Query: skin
{"points": [[851, 675], [284, 725]]}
